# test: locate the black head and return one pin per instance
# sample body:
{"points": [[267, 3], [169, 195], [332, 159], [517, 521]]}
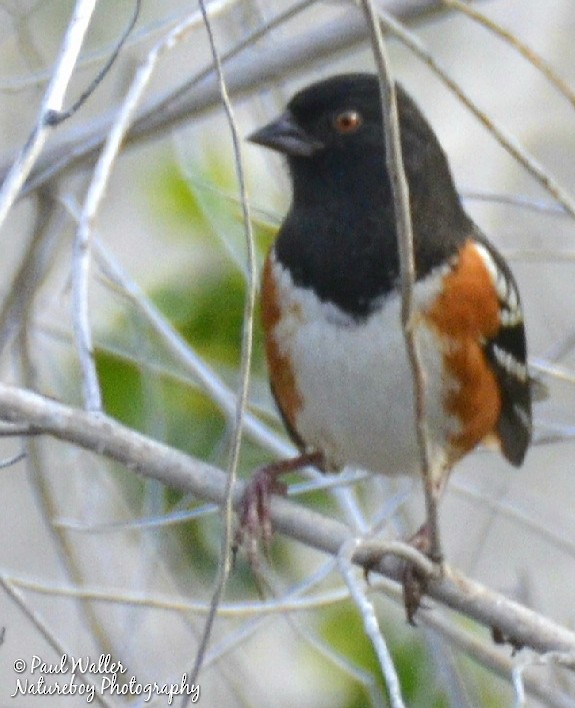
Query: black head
{"points": [[329, 128], [333, 114], [342, 219], [332, 135]]}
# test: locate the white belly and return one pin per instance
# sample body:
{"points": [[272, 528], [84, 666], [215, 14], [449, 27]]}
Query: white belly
{"points": [[356, 384]]}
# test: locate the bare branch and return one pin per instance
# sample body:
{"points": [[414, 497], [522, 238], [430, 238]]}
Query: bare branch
{"points": [[52, 103], [370, 623], [245, 72], [246, 358], [400, 190], [144, 456]]}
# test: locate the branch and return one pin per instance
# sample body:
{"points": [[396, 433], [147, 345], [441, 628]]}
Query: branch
{"points": [[405, 248], [245, 71], [51, 105], [107, 437], [370, 623], [225, 564]]}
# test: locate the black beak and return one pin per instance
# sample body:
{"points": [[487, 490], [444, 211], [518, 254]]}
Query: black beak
{"points": [[286, 136]]}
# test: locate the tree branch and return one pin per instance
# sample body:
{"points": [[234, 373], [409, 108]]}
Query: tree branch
{"points": [[405, 248], [52, 102], [245, 71], [105, 436]]}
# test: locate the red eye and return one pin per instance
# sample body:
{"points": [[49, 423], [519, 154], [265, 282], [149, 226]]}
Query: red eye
{"points": [[347, 122]]}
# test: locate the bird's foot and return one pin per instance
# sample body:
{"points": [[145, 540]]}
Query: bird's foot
{"points": [[414, 577], [255, 522], [414, 580]]}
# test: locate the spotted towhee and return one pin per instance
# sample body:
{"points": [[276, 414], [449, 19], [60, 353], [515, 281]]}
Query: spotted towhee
{"points": [[331, 301]]}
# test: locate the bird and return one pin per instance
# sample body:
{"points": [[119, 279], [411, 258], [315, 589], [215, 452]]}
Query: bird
{"points": [[331, 304]]}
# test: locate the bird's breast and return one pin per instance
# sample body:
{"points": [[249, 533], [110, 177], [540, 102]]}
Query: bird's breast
{"points": [[345, 385]]}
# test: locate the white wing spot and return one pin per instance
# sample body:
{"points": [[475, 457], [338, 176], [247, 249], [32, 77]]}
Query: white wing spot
{"points": [[523, 416], [508, 362], [510, 312]]}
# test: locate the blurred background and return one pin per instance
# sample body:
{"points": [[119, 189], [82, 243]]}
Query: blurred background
{"points": [[101, 561]]}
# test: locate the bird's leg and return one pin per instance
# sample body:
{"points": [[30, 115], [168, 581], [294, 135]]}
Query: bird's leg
{"points": [[433, 492], [413, 578], [413, 582], [427, 541], [254, 511]]}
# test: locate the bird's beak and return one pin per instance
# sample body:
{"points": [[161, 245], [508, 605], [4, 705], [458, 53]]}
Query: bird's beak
{"points": [[286, 136]]}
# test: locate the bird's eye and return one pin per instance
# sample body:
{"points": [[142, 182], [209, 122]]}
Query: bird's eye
{"points": [[347, 122]]}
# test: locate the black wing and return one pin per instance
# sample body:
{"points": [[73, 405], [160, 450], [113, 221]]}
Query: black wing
{"points": [[507, 353]]}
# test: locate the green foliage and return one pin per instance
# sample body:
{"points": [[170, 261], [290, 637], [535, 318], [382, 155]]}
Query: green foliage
{"points": [[175, 204], [209, 314], [121, 390]]}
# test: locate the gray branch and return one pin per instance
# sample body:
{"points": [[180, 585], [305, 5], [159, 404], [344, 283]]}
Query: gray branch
{"points": [[246, 70], [149, 458]]}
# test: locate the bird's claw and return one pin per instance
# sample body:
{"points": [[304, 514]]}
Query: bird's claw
{"points": [[255, 523], [413, 579]]}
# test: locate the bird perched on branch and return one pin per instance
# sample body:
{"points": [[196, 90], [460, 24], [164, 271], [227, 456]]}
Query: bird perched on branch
{"points": [[331, 303]]}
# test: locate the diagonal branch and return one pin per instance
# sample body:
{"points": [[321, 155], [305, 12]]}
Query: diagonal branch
{"points": [[51, 104], [245, 71], [152, 459]]}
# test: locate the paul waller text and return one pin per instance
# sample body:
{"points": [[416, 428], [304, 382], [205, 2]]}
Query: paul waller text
{"points": [[84, 676], [76, 665]]}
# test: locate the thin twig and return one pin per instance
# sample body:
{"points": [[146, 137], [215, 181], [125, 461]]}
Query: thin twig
{"points": [[56, 117], [400, 190], [101, 175], [370, 623], [52, 102], [235, 610], [517, 200], [246, 358], [9, 461], [506, 140], [511, 38]]}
